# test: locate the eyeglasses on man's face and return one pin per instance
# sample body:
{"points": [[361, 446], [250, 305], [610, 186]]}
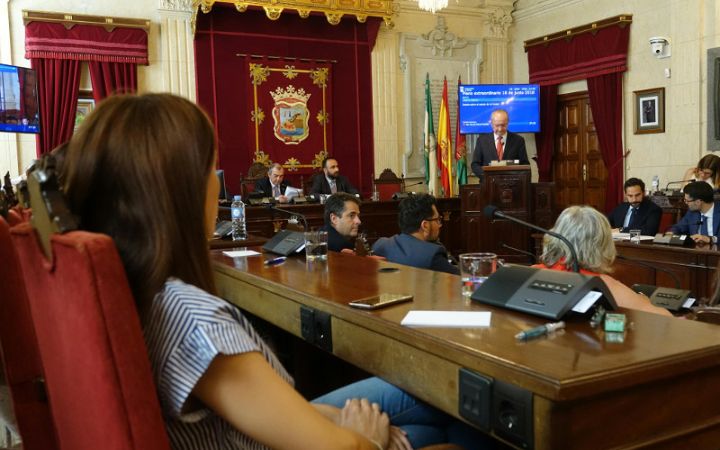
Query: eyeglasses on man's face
{"points": [[434, 219], [689, 200]]}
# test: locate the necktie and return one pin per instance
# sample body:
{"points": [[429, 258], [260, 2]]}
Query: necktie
{"points": [[333, 187], [633, 216], [703, 226], [499, 148], [276, 191]]}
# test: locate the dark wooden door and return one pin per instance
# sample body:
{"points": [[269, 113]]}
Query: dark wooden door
{"points": [[579, 171]]}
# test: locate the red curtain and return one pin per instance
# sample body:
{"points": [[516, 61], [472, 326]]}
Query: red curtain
{"points": [[606, 105], [112, 78], [58, 84], [584, 56], [56, 53], [224, 38], [545, 140]]}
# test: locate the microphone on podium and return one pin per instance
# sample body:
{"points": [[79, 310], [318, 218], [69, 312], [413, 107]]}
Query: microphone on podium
{"points": [[492, 212], [414, 184]]}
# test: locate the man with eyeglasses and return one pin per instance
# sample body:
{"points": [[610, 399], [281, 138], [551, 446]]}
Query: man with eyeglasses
{"points": [[637, 213], [702, 221], [416, 245]]}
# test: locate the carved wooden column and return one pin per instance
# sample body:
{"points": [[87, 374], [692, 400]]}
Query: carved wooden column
{"points": [[438, 53], [176, 42], [385, 108], [497, 47]]}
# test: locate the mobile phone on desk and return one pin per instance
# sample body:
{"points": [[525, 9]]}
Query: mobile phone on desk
{"points": [[380, 301]]}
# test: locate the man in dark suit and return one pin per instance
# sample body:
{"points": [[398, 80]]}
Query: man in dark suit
{"points": [[417, 245], [498, 145], [342, 222], [702, 221], [274, 184], [637, 213], [331, 181]]}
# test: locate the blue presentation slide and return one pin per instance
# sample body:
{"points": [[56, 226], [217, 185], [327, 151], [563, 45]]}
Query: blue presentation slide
{"points": [[478, 101]]}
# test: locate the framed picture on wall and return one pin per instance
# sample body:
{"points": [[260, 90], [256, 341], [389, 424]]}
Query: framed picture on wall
{"points": [[85, 105], [649, 111]]}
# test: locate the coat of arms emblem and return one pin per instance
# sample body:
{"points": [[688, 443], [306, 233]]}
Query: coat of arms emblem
{"points": [[290, 114]]}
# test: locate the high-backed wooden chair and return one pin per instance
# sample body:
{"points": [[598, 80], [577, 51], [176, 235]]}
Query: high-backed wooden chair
{"points": [[388, 184], [256, 171], [96, 372]]}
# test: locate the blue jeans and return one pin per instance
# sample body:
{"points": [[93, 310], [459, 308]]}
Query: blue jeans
{"points": [[424, 424]]}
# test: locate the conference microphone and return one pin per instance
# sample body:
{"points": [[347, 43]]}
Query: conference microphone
{"points": [[676, 182], [414, 184], [492, 211], [290, 213], [522, 252]]}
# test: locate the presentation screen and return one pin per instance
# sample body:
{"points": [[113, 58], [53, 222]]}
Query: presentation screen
{"points": [[19, 106], [477, 101]]}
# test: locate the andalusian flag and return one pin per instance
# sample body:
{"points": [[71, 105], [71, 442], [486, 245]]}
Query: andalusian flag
{"points": [[429, 142], [460, 148], [444, 146]]}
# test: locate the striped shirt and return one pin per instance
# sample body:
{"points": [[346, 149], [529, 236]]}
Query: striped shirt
{"points": [[184, 331]]}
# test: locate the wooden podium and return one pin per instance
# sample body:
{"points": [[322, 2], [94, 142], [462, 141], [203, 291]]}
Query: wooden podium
{"points": [[508, 188]]}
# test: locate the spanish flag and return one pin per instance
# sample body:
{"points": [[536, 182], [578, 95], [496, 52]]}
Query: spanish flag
{"points": [[444, 147]]}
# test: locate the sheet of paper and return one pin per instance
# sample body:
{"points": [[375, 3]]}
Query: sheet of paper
{"points": [[689, 302], [291, 192], [586, 302], [240, 253], [447, 319]]}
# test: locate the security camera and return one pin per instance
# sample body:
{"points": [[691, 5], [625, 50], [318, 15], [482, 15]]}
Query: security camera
{"points": [[660, 46]]}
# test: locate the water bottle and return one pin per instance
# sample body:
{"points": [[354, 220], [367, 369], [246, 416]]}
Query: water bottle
{"points": [[237, 211], [655, 184]]}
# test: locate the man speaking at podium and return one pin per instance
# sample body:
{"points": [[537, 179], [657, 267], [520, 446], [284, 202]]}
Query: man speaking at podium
{"points": [[499, 145]]}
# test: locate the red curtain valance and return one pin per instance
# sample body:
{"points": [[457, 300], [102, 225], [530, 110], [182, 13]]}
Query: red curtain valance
{"points": [[85, 43], [580, 57]]}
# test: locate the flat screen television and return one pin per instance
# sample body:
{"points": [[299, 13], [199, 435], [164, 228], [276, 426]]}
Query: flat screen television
{"points": [[477, 101], [222, 195], [19, 105]]}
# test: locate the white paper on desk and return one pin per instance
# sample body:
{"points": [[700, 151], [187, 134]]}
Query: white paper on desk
{"points": [[240, 253], [447, 319], [586, 302], [689, 302], [291, 192]]}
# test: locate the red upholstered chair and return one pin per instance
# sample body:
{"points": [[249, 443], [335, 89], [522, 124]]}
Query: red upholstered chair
{"points": [[96, 369], [14, 217], [388, 184], [20, 353]]}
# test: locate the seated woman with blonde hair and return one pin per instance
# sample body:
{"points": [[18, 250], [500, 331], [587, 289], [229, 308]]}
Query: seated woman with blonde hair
{"points": [[589, 232]]}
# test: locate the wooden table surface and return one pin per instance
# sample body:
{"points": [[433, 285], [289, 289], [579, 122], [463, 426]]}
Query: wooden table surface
{"points": [[657, 388]]}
